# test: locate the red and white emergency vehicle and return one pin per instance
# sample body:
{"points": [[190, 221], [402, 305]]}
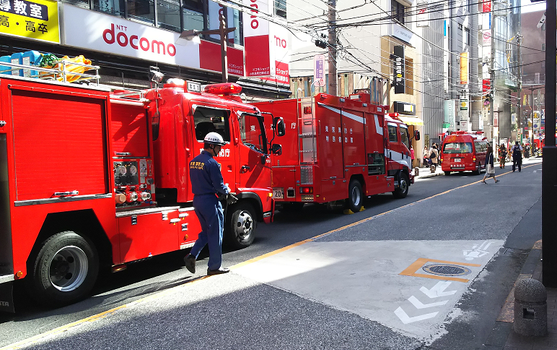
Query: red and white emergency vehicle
{"points": [[93, 179], [464, 151], [338, 149]]}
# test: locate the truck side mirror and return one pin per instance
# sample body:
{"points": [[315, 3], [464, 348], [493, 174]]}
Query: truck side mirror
{"points": [[416, 135], [276, 149], [278, 125]]}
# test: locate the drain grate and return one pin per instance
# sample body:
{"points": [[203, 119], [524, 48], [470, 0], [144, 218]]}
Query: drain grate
{"points": [[446, 270]]}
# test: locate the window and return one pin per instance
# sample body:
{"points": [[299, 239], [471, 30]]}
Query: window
{"points": [[397, 11], [404, 137], [168, 14], [112, 7], [393, 136], [143, 10], [192, 20], [280, 8], [457, 147], [208, 119], [250, 132], [466, 37]]}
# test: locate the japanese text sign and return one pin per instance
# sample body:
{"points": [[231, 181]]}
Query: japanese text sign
{"points": [[37, 19]]}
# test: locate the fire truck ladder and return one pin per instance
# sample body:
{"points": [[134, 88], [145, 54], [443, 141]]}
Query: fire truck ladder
{"points": [[307, 141]]}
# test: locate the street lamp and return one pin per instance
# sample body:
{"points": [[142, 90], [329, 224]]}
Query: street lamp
{"points": [[193, 36]]}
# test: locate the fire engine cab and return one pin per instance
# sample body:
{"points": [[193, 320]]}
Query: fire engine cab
{"points": [[338, 150], [92, 178]]}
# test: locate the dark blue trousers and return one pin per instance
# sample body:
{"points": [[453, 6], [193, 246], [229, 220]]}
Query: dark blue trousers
{"points": [[211, 217]]}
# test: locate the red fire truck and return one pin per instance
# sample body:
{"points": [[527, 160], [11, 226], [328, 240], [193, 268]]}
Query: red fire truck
{"points": [[338, 150], [92, 178]]}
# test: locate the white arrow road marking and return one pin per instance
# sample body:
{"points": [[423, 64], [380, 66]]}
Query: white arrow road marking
{"points": [[407, 319], [438, 290], [419, 305], [477, 252]]}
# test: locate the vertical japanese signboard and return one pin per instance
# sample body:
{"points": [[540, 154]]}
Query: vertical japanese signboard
{"points": [[398, 58], [37, 19], [256, 39], [319, 70], [464, 68]]}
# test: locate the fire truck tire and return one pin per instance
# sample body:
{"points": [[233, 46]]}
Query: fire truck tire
{"points": [[240, 225], [402, 190], [355, 196], [64, 270], [478, 170]]}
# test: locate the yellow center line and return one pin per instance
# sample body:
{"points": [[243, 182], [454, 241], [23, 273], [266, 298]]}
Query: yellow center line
{"points": [[35, 339]]}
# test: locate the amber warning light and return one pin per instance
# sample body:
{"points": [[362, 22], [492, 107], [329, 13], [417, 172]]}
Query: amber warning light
{"points": [[223, 89]]}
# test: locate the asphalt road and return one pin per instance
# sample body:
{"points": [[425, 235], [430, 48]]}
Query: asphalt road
{"points": [[430, 271]]}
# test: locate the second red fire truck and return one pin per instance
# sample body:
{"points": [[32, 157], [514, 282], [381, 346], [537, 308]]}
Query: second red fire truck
{"points": [[93, 179], [338, 150]]}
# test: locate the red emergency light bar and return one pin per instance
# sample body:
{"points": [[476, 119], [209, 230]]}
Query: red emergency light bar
{"points": [[223, 89]]}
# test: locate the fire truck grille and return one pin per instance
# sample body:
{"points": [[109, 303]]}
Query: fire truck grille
{"points": [[306, 175]]}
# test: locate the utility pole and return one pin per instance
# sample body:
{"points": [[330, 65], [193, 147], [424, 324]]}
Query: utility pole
{"points": [[332, 47], [549, 164], [518, 42], [492, 72]]}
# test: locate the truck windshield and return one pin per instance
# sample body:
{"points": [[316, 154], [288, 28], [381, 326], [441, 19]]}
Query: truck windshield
{"points": [[251, 132], [457, 147]]}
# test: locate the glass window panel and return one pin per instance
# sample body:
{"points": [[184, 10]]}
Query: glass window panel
{"points": [[192, 20], [280, 8], [84, 4], [143, 10], [113, 7], [168, 14]]}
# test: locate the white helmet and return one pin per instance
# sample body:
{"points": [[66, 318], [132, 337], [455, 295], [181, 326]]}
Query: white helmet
{"points": [[214, 138]]}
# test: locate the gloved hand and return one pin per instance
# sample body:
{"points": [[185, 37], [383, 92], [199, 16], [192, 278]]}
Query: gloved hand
{"points": [[221, 196], [231, 199]]}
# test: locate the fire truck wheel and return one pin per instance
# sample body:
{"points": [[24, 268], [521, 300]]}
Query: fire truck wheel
{"points": [[355, 196], [402, 190], [240, 225], [478, 169], [64, 271]]}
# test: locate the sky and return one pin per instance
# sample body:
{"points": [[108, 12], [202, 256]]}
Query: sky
{"points": [[528, 6]]}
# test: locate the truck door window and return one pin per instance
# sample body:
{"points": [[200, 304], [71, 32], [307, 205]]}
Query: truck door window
{"points": [[211, 119], [392, 133], [250, 132], [404, 137]]}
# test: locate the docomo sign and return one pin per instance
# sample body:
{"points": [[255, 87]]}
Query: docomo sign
{"points": [[110, 36], [254, 23]]}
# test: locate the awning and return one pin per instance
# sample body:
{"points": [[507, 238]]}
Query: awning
{"points": [[411, 120]]}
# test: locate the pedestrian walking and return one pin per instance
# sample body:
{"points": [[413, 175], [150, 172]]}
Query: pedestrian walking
{"points": [[426, 158], [433, 156], [412, 155], [207, 184], [490, 169], [502, 156], [527, 151], [516, 152]]}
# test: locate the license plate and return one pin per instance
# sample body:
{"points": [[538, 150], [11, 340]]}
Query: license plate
{"points": [[278, 193], [457, 160]]}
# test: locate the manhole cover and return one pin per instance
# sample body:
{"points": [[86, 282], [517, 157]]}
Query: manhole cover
{"points": [[446, 270]]}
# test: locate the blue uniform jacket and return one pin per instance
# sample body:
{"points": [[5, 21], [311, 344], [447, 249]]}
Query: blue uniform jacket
{"points": [[205, 175]]}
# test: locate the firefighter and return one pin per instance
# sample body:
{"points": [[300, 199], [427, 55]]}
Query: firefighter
{"points": [[207, 184]]}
